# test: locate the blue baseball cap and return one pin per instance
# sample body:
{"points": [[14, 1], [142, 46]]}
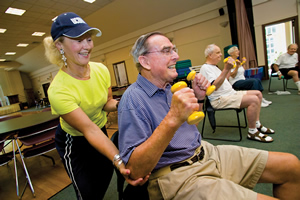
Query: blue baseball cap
{"points": [[71, 25]]}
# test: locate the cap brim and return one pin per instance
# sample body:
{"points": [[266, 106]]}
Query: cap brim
{"points": [[73, 33]]}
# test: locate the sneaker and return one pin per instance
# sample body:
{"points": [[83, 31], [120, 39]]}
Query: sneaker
{"points": [[264, 105], [266, 101]]}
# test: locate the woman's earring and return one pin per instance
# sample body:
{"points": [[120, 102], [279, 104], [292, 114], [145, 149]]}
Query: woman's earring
{"points": [[63, 57]]}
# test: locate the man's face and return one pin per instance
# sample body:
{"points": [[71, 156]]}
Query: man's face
{"points": [[292, 49], [161, 59], [216, 55]]}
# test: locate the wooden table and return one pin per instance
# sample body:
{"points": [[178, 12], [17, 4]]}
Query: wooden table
{"points": [[12, 126]]}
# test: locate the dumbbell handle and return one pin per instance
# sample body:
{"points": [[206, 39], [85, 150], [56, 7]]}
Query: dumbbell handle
{"points": [[196, 116], [192, 75], [234, 63]]}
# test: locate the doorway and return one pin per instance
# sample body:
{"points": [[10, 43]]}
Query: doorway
{"points": [[120, 74], [277, 36]]}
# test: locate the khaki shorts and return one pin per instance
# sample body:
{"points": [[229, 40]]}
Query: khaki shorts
{"points": [[231, 101], [226, 172]]}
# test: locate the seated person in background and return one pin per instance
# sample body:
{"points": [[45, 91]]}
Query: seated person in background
{"points": [[286, 64], [155, 137], [237, 78], [226, 97]]}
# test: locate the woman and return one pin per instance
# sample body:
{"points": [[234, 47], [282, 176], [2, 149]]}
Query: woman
{"points": [[81, 94], [238, 80]]}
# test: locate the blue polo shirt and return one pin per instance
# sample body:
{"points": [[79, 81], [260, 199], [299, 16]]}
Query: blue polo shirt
{"points": [[142, 108]]}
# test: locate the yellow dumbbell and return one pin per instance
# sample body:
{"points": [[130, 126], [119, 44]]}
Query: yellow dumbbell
{"points": [[196, 116], [243, 61], [234, 63], [192, 75]]}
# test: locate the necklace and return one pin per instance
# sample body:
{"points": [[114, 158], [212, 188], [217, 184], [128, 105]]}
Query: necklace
{"points": [[78, 76]]}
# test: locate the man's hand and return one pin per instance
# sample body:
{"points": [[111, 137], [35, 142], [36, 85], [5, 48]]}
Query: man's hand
{"points": [[200, 85], [229, 64], [126, 172], [183, 104]]}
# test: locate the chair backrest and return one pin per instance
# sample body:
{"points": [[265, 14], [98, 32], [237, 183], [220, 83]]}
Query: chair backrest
{"points": [[38, 133], [210, 113]]}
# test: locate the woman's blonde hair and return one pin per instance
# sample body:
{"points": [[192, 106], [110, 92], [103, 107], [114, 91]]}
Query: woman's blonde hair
{"points": [[51, 52]]}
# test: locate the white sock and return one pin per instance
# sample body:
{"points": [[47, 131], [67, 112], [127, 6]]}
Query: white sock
{"points": [[258, 124], [263, 129], [298, 85], [252, 130]]}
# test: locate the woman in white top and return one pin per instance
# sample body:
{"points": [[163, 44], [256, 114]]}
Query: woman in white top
{"points": [[238, 80]]}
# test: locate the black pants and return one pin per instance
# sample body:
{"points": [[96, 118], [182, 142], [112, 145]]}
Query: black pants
{"points": [[89, 170]]}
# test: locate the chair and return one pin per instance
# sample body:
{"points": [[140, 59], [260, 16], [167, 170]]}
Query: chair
{"points": [[130, 192], [210, 112], [284, 80], [38, 140], [6, 157]]}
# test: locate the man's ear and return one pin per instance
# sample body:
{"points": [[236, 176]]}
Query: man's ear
{"points": [[144, 61]]}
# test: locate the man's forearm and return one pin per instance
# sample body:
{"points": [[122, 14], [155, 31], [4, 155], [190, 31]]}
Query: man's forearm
{"points": [[146, 156]]}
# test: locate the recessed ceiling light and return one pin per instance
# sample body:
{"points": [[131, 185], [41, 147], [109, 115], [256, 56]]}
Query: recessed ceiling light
{"points": [[22, 45], [38, 33], [10, 53], [15, 11], [2, 30], [89, 1], [2, 60]]}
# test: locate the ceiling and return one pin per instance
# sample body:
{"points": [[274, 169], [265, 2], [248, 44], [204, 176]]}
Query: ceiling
{"points": [[114, 18]]}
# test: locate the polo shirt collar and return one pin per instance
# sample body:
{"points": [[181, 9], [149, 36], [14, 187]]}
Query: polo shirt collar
{"points": [[149, 88]]}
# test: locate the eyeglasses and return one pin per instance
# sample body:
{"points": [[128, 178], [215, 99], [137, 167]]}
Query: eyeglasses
{"points": [[166, 51]]}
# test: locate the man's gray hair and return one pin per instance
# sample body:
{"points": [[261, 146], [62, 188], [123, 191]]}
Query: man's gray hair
{"points": [[141, 47], [293, 44], [209, 50]]}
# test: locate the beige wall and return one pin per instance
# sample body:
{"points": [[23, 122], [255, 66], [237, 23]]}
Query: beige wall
{"points": [[11, 83]]}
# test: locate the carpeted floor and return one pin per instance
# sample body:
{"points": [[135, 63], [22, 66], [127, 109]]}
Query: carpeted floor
{"points": [[282, 116]]}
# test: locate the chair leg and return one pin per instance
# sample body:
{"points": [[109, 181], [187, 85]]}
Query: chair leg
{"points": [[26, 172], [238, 126], [15, 165], [270, 84], [284, 89]]}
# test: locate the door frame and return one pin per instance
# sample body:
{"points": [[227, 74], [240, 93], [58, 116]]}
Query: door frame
{"points": [[295, 18]]}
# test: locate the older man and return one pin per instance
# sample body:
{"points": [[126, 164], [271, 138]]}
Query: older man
{"points": [[155, 137], [286, 64], [226, 97]]}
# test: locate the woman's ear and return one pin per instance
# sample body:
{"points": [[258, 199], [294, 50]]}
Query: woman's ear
{"points": [[58, 45], [144, 61]]}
